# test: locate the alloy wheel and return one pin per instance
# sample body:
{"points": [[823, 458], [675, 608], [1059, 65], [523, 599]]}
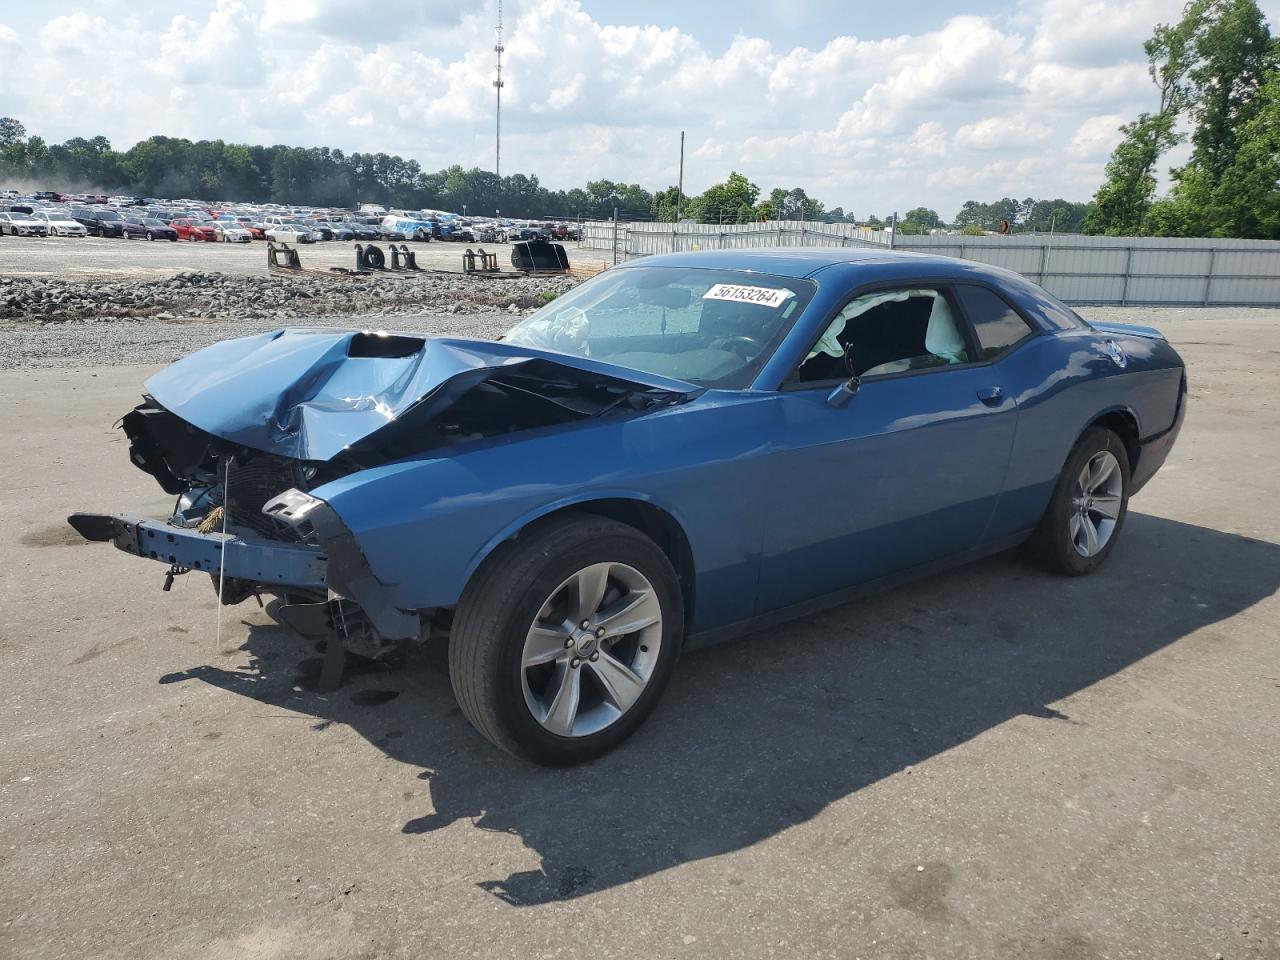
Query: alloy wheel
{"points": [[592, 649], [1095, 503]]}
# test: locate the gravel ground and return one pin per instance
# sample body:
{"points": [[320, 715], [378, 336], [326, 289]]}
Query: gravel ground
{"points": [[156, 343], [62, 322]]}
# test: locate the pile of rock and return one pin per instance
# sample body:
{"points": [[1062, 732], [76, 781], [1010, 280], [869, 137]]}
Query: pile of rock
{"points": [[196, 296]]}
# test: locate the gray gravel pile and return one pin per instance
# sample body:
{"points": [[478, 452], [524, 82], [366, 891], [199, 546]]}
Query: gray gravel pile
{"points": [[214, 296], [158, 342]]}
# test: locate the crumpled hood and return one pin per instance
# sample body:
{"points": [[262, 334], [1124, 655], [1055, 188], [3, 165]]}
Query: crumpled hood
{"points": [[309, 394]]}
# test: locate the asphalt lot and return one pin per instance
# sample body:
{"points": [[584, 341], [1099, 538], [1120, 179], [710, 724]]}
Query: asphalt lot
{"points": [[113, 257], [991, 763]]}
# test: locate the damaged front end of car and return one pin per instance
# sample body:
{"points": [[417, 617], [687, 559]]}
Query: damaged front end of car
{"points": [[246, 434]]}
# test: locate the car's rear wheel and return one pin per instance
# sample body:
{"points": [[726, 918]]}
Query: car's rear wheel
{"points": [[1090, 501], [565, 639]]}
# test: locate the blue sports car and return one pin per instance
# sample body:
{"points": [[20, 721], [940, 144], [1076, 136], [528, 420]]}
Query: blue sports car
{"points": [[680, 450]]}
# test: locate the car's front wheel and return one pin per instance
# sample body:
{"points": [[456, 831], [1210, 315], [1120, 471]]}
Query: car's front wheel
{"points": [[1090, 500], [565, 639]]}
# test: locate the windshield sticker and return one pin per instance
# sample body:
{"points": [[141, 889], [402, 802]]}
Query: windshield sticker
{"points": [[761, 296]]}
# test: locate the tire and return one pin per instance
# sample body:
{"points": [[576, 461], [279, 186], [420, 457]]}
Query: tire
{"points": [[1062, 543], [497, 616], [150, 235]]}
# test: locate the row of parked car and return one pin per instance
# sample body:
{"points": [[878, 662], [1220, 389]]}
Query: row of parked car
{"points": [[152, 225], [49, 214]]}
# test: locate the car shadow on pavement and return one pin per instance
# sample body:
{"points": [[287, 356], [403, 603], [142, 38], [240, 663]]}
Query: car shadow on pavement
{"points": [[761, 734]]}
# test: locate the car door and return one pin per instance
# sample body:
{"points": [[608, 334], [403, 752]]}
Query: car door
{"points": [[909, 470]]}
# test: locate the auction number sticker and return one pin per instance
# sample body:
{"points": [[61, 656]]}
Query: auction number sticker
{"points": [[761, 296]]}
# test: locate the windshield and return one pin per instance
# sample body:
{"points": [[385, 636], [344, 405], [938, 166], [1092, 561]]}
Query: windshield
{"points": [[715, 328]]}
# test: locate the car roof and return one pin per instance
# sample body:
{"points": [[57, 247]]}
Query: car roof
{"points": [[800, 262]]}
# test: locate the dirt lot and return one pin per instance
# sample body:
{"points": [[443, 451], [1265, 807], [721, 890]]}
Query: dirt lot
{"points": [[112, 257], [991, 763]]}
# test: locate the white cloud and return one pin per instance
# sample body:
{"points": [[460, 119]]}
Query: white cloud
{"points": [[1095, 32], [970, 108], [1096, 137], [1057, 85], [1007, 134]]}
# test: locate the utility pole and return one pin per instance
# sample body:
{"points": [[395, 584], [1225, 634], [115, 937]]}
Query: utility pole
{"points": [[498, 48], [680, 186]]}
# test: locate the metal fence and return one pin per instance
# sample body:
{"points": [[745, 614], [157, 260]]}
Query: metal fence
{"points": [[1078, 269]]}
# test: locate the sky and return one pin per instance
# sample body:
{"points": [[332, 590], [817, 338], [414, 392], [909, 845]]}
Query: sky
{"points": [[871, 106]]}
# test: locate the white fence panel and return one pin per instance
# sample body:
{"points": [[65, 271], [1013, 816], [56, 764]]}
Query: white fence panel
{"points": [[1079, 269]]}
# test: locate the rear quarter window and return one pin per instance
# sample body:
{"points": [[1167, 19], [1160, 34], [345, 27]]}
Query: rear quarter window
{"points": [[997, 325], [1057, 314]]}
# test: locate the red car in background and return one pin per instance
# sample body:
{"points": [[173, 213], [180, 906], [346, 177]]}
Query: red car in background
{"points": [[257, 229], [190, 230]]}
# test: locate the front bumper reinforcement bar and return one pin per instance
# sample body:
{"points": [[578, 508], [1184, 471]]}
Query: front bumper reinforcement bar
{"points": [[283, 564]]}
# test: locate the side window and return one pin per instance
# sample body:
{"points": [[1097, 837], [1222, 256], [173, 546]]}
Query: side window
{"points": [[996, 324], [889, 331]]}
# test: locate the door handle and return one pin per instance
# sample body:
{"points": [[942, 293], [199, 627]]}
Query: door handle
{"points": [[991, 396]]}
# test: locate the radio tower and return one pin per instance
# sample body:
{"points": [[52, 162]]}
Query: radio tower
{"points": [[498, 48]]}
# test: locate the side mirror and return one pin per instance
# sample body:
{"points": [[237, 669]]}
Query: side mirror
{"points": [[842, 394]]}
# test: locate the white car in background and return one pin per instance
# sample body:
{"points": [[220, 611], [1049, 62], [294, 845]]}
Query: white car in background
{"points": [[22, 225], [232, 232], [60, 224], [291, 233]]}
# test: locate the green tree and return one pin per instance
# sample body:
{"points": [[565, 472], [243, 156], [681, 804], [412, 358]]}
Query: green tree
{"points": [[664, 207], [11, 131], [920, 220], [729, 202], [1213, 68], [1245, 200], [991, 216], [793, 204], [1233, 55], [1121, 203]]}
